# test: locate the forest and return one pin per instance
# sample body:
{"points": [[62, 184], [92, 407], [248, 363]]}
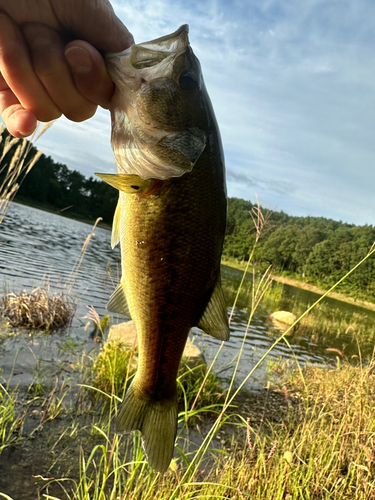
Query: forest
{"points": [[53, 186], [316, 250], [312, 249]]}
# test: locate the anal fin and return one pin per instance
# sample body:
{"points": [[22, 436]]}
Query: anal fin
{"points": [[214, 320], [118, 303]]}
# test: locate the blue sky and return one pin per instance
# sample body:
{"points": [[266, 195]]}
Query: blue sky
{"points": [[293, 87]]}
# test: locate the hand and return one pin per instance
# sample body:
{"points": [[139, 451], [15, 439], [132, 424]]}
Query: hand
{"points": [[44, 70]]}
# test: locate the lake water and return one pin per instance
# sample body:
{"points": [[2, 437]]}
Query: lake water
{"points": [[38, 247]]}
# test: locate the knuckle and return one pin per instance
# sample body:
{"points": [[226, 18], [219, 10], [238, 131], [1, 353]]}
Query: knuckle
{"points": [[46, 115], [80, 114]]}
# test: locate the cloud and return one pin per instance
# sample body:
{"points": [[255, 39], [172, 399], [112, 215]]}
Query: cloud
{"points": [[257, 182], [292, 84]]}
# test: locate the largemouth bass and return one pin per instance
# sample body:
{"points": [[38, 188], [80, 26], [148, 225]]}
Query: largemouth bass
{"points": [[170, 220]]}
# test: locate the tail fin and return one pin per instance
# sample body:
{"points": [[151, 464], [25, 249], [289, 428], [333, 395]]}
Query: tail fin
{"points": [[157, 421]]}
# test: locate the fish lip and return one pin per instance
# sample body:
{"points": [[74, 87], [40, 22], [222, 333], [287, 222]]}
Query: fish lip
{"points": [[176, 34]]}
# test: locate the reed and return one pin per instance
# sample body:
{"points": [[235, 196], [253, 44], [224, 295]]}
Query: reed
{"points": [[19, 165], [74, 273], [37, 309]]}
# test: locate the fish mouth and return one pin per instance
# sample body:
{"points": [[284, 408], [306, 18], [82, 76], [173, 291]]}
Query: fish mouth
{"points": [[158, 119], [148, 54]]}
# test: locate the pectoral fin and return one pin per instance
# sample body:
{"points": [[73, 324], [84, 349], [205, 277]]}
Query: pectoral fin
{"points": [[118, 303], [129, 183], [214, 320], [115, 238]]}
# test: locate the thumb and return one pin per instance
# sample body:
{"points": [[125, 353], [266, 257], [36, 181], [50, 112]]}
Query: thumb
{"points": [[89, 72]]}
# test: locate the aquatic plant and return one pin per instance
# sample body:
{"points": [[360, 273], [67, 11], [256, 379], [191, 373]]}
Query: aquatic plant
{"points": [[37, 309], [273, 295], [326, 325], [40, 309]]}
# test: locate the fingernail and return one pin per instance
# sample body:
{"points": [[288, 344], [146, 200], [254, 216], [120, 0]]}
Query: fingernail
{"points": [[79, 60], [26, 134], [24, 122]]}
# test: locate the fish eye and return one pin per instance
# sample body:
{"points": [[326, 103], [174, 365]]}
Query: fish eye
{"points": [[189, 81]]}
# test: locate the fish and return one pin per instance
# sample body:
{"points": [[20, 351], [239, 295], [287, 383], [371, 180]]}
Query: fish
{"points": [[170, 221]]}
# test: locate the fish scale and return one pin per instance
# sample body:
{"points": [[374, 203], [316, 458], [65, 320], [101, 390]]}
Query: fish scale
{"points": [[170, 227]]}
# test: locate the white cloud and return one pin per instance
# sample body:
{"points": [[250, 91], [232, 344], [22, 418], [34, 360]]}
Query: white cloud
{"points": [[293, 86]]}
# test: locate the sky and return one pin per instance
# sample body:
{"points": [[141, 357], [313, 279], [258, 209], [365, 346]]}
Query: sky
{"points": [[293, 88]]}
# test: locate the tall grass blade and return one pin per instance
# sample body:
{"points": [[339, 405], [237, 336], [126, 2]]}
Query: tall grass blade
{"points": [[19, 165]]}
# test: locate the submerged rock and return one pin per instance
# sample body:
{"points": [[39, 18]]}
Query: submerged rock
{"points": [[282, 319]]}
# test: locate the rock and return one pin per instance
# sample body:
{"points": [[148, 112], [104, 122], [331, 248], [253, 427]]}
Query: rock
{"points": [[127, 334], [282, 320]]}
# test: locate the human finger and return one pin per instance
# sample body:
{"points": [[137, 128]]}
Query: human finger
{"points": [[17, 70], [47, 52], [94, 21], [19, 121], [89, 72]]}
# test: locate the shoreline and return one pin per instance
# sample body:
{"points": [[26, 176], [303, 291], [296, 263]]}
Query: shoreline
{"points": [[310, 288], [281, 279], [61, 213]]}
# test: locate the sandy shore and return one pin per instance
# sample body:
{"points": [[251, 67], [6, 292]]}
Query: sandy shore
{"points": [[311, 288]]}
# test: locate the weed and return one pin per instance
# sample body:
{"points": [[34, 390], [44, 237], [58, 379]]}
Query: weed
{"points": [[8, 421], [37, 309], [19, 166], [317, 442]]}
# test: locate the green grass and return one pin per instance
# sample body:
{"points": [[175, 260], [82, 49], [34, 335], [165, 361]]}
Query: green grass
{"points": [[313, 438], [116, 364], [321, 448], [8, 421]]}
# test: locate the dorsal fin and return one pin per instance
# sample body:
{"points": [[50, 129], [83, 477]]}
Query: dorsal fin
{"points": [[214, 320]]}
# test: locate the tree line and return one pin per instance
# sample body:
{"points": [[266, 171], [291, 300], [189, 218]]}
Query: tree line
{"points": [[54, 186], [314, 249]]}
